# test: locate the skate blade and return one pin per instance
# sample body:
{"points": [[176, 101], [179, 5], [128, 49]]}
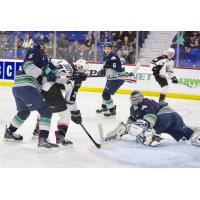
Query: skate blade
{"points": [[110, 117], [48, 150], [11, 140], [67, 147]]}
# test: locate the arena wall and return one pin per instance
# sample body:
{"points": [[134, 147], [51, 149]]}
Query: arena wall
{"points": [[145, 80]]}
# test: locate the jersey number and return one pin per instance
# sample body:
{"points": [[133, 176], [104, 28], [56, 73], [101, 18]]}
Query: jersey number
{"points": [[114, 65]]}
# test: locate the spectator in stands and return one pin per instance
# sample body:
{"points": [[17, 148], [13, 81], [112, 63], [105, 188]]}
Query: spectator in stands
{"points": [[116, 35], [69, 55], [89, 40], [62, 45], [191, 41], [126, 46], [4, 45], [120, 55], [91, 54], [28, 41], [180, 38], [51, 40], [132, 36], [194, 41], [131, 56], [19, 43], [106, 37], [82, 53], [76, 44]]}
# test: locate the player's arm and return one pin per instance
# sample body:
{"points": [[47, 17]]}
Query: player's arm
{"points": [[71, 92], [30, 67], [171, 72], [150, 116], [156, 64]]}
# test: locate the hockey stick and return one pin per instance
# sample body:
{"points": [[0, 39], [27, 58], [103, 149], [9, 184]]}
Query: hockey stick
{"points": [[95, 143]]}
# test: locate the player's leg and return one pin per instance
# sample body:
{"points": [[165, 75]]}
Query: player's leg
{"points": [[19, 118], [62, 127], [111, 87], [36, 129], [55, 101], [164, 87], [173, 124], [184, 131], [35, 101]]}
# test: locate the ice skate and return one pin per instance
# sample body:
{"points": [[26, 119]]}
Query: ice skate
{"points": [[10, 136], [44, 143], [62, 142], [102, 109], [110, 112], [35, 135], [195, 138]]}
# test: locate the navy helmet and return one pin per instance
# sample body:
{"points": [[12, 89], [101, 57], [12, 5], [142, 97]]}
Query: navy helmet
{"points": [[137, 95], [107, 44], [41, 39]]}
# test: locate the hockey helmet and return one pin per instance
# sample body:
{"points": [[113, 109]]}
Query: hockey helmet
{"points": [[82, 66], [136, 97], [63, 66], [171, 50], [41, 39]]}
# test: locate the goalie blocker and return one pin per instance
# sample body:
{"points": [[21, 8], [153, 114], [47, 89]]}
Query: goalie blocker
{"points": [[149, 119]]}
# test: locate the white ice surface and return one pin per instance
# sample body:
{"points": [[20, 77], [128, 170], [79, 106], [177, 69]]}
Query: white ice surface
{"points": [[124, 153]]}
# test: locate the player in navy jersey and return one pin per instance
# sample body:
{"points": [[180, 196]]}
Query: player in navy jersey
{"points": [[36, 69], [113, 70], [148, 119]]}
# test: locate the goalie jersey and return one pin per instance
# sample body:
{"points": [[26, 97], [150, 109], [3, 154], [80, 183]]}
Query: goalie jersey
{"points": [[148, 110], [161, 66]]}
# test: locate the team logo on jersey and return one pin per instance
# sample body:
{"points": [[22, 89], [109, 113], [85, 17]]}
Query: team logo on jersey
{"points": [[113, 58], [144, 106]]}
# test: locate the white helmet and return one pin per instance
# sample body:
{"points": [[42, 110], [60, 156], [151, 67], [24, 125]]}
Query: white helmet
{"points": [[63, 66], [82, 66], [171, 50]]}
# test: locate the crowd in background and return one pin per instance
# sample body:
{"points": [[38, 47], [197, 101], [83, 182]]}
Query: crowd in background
{"points": [[89, 45], [189, 47]]}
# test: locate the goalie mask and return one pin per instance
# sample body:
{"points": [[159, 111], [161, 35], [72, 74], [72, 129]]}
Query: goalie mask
{"points": [[136, 97], [82, 66], [64, 68]]}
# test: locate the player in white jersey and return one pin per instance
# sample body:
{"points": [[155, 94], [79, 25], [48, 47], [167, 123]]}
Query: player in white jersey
{"points": [[163, 67]]}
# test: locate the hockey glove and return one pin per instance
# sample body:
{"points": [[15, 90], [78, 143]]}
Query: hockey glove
{"points": [[79, 76], [76, 116], [174, 80], [51, 77]]}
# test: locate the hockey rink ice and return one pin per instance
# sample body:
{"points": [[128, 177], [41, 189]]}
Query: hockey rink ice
{"points": [[123, 153]]}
